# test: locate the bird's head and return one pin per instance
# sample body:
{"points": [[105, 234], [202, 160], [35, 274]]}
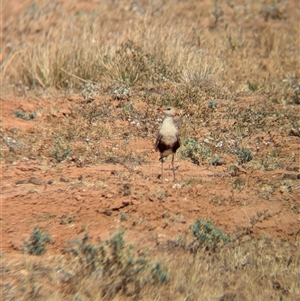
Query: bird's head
{"points": [[169, 111]]}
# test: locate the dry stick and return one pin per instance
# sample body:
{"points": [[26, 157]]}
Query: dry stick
{"points": [[77, 77], [247, 214]]}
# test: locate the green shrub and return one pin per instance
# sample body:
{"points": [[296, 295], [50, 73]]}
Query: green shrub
{"points": [[158, 274], [244, 155], [115, 265], [36, 245], [61, 150], [207, 236], [194, 151], [24, 116]]}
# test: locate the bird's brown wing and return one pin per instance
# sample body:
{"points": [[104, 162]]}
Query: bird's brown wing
{"points": [[176, 144], [158, 139], [178, 138]]}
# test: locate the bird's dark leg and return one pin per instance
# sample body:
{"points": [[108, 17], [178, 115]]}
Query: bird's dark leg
{"points": [[162, 168], [174, 179], [161, 159]]}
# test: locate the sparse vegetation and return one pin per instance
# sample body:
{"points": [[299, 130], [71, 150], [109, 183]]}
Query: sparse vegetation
{"points": [[61, 149], [36, 244], [244, 155], [194, 151], [24, 116], [81, 81], [207, 236], [112, 268]]}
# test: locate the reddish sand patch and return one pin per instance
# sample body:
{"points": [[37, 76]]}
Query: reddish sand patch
{"points": [[66, 200]]}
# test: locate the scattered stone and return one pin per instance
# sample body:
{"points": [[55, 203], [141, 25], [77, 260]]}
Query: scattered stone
{"points": [[292, 168], [50, 182], [218, 161], [165, 215], [151, 228], [126, 203], [294, 132], [64, 179], [79, 199], [107, 212], [20, 182], [289, 177], [177, 186], [35, 181], [123, 204], [298, 176], [165, 225]]}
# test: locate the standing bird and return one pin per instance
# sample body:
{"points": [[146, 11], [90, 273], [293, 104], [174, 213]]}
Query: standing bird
{"points": [[167, 141]]}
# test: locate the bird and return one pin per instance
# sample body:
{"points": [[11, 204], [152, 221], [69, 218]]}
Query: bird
{"points": [[168, 140]]}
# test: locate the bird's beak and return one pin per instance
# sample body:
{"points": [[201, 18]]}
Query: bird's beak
{"points": [[180, 112]]}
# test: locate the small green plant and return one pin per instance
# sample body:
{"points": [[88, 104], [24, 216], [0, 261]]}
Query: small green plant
{"points": [[215, 161], [158, 274], [36, 245], [24, 116], [244, 155], [261, 216], [239, 184], [206, 236], [212, 104], [62, 150], [119, 270], [125, 189], [194, 151], [123, 217]]}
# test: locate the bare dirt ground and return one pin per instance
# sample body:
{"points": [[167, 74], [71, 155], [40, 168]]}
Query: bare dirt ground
{"points": [[81, 84], [67, 200]]}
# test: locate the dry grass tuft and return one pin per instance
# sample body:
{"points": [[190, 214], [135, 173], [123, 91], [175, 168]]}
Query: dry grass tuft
{"points": [[220, 47], [246, 266]]}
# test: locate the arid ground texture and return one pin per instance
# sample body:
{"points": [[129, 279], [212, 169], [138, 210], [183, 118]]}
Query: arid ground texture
{"points": [[85, 214]]}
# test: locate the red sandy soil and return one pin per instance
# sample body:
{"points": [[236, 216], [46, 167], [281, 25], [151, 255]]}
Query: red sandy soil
{"points": [[66, 200]]}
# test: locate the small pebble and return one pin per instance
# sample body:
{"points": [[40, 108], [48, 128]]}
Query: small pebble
{"points": [[292, 168], [177, 186], [21, 182], [107, 212], [35, 181], [64, 179], [290, 177]]}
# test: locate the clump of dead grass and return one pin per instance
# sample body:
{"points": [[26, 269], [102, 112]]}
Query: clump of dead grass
{"points": [[242, 264], [57, 46]]}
